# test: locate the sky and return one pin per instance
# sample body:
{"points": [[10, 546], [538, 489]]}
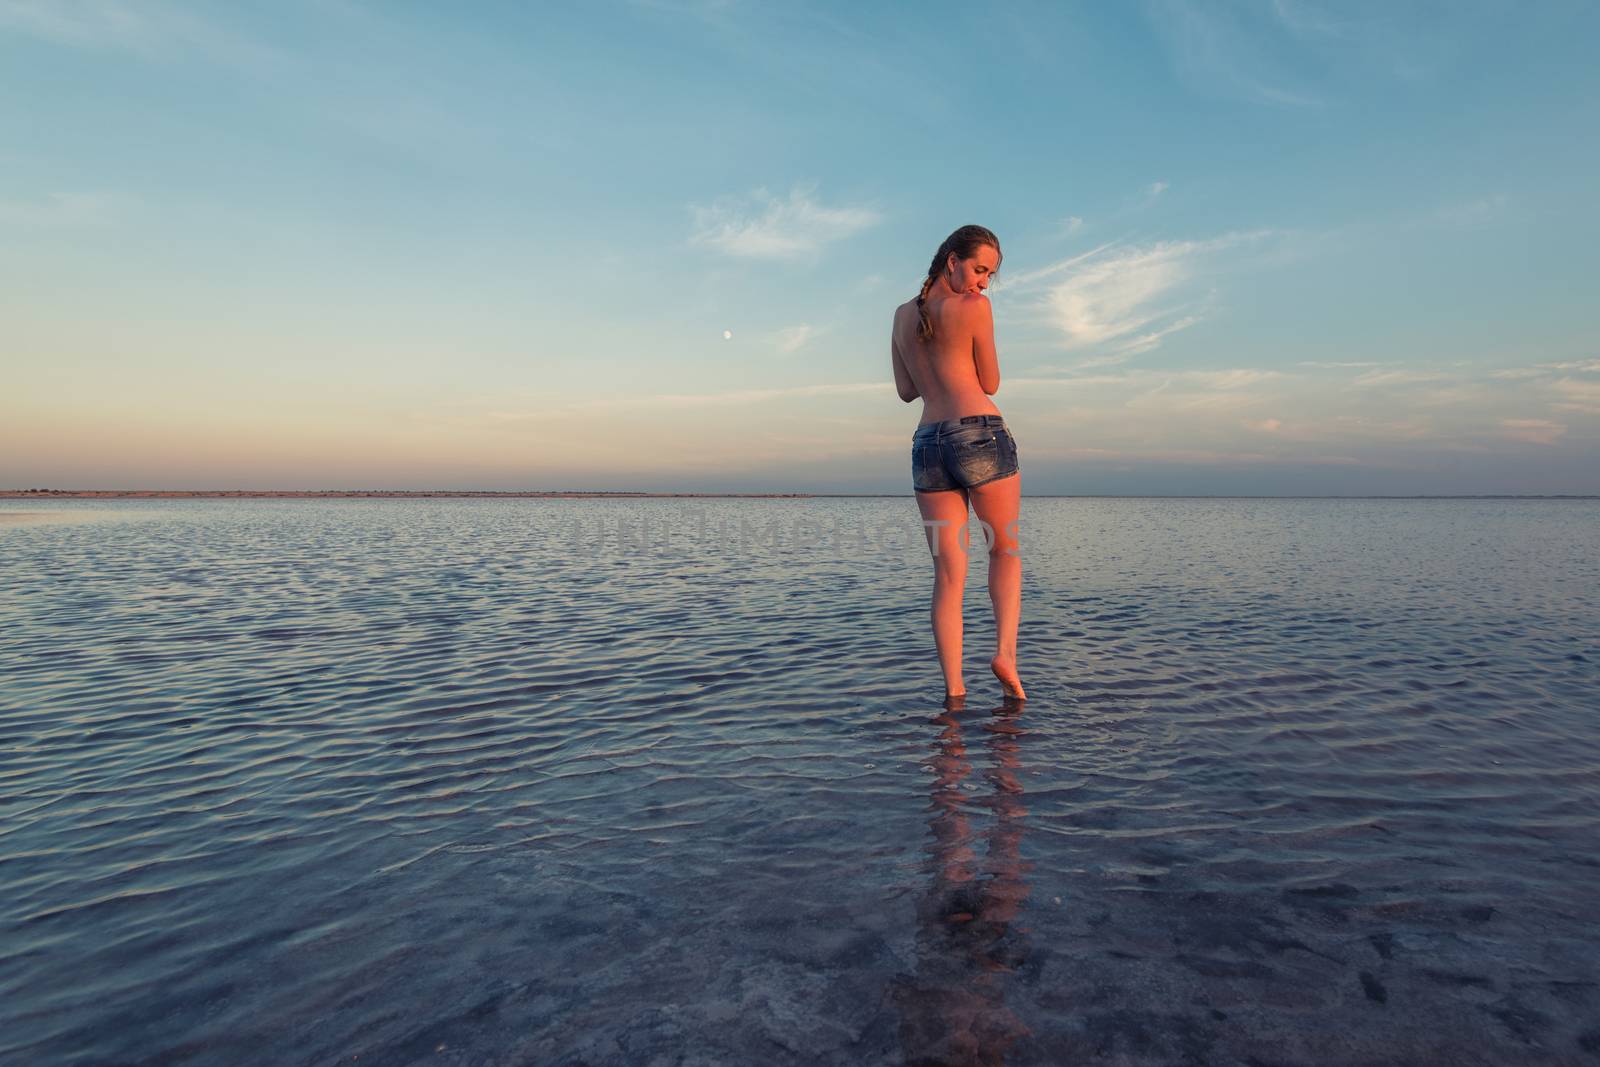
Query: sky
{"points": [[1269, 247]]}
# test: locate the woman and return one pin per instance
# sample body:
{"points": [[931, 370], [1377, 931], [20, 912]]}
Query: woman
{"points": [[943, 352]]}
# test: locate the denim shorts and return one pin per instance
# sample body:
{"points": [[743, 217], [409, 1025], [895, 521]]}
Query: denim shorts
{"points": [[962, 453]]}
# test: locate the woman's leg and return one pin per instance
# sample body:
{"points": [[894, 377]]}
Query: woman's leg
{"points": [[944, 517], [998, 505]]}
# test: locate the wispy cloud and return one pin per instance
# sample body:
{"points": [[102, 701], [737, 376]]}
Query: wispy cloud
{"points": [[1144, 342], [1308, 412], [1544, 370], [1023, 280], [1237, 378], [1208, 394], [1560, 384], [1155, 189], [1122, 300], [762, 226], [1533, 431], [1114, 297], [1351, 428], [1577, 395], [1396, 377], [1159, 403], [794, 338]]}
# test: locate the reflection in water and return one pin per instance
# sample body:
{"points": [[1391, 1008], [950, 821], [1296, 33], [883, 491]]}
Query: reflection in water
{"points": [[952, 1010]]}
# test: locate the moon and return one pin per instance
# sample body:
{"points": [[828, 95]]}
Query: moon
{"points": [[727, 335]]}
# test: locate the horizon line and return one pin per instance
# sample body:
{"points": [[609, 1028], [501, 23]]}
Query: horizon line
{"points": [[35, 494]]}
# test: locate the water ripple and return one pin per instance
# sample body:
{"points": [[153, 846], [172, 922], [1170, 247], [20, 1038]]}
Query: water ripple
{"points": [[570, 782]]}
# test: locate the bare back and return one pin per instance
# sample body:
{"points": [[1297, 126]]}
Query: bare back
{"points": [[957, 371]]}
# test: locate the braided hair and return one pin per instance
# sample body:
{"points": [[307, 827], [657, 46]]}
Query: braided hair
{"points": [[965, 242]]}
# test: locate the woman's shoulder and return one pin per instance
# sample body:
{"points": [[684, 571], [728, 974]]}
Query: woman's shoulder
{"points": [[965, 306]]}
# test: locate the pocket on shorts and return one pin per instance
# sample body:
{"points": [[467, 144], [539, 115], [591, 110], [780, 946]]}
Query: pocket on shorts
{"points": [[978, 448], [1008, 450], [976, 457]]}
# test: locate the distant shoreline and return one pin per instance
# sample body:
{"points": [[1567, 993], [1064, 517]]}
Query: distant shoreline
{"points": [[567, 494], [354, 494]]}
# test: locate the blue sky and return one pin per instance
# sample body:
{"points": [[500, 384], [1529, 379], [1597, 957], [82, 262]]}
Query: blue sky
{"points": [[1250, 247]]}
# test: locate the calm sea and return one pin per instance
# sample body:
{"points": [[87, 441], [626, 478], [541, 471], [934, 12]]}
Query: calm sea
{"points": [[670, 781]]}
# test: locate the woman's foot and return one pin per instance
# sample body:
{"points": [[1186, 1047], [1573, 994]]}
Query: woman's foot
{"points": [[1005, 669]]}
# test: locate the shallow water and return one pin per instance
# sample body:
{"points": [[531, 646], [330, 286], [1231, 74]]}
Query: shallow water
{"points": [[634, 781]]}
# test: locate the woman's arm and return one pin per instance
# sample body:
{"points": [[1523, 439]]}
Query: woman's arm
{"points": [[981, 317], [902, 377]]}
